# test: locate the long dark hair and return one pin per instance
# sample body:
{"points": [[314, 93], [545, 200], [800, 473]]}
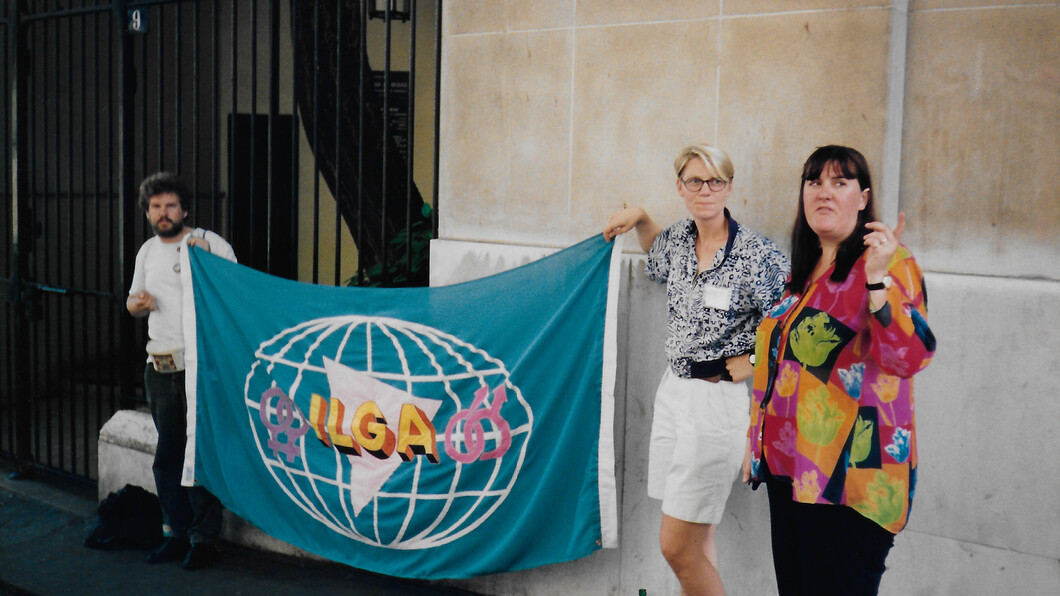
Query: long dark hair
{"points": [[805, 246]]}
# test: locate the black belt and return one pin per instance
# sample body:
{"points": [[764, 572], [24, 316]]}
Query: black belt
{"points": [[709, 369]]}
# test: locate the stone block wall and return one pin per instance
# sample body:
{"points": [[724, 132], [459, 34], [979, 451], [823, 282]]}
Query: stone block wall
{"points": [[556, 113]]}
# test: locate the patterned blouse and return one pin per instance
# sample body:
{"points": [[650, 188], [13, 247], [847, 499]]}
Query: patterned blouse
{"points": [[832, 407], [714, 314]]}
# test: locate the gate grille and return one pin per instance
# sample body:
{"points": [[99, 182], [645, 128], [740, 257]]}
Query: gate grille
{"points": [[297, 146]]}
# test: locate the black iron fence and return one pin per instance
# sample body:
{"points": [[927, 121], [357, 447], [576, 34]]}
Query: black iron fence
{"points": [[305, 128]]}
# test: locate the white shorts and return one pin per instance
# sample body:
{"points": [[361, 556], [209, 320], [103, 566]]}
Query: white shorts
{"points": [[698, 438]]}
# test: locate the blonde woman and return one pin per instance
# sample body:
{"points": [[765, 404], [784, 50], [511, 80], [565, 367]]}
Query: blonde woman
{"points": [[721, 278]]}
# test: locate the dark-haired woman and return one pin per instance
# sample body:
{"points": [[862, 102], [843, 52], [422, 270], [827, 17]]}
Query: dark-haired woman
{"points": [[833, 430]]}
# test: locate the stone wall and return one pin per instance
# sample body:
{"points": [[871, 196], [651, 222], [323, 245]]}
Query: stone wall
{"points": [[556, 113]]}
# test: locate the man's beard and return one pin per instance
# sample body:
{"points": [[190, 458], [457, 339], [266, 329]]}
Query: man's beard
{"points": [[174, 230]]}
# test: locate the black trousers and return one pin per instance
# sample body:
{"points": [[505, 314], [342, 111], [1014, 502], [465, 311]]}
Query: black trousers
{"points": [[823, 550], [191, 512]]}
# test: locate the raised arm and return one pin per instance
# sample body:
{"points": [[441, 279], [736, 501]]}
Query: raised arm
{"points": [[637, 218], [902, 342]]}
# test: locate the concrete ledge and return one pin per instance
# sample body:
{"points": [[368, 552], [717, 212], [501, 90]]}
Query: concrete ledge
{"points": [[126, 452]]}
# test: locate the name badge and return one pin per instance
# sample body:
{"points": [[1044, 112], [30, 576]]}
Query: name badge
{"points": [[717, 297]]}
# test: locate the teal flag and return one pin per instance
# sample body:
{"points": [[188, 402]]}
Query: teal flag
{"points": [[426, 433]]}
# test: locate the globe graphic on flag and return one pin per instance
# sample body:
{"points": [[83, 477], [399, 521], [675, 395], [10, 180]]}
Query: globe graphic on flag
{"points": [[307, 394]]}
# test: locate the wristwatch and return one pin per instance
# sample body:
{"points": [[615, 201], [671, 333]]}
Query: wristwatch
{"points": [[880, 285]]}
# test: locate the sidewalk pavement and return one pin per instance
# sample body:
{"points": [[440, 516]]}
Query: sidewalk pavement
{"points": [[44, 522]]}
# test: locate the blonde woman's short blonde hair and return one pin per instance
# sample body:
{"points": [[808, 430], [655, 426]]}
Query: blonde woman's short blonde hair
{"points": [[715, 158]]}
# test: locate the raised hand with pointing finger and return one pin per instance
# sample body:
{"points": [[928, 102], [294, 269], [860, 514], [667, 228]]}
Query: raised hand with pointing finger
{"points": [[880, 245]]}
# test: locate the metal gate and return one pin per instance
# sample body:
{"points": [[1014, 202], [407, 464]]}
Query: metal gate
{"points": [[306, 130]]}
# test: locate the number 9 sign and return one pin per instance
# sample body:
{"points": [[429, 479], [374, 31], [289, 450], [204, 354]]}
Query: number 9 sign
{"points": [[137, 21]]}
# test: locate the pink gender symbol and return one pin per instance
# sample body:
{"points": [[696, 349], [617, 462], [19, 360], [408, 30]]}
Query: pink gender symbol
{"points": [[285, 417], [474, 435]]}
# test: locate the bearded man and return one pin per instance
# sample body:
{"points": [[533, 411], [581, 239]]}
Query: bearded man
{"points": [[191, 515]]}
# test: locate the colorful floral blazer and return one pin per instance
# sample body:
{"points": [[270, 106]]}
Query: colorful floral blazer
{"points": [[832, 407]]}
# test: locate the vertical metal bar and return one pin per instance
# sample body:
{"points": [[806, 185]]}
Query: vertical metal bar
{"points": [[338, 143], [437, 112], [142, 84], [90, 343], [7, 373], [385, 190], [361, 66], [112, 203], [254, 190], [17, 146], [160, 91], [38, 261], [410, 144], [67, 330], [7, 432], [54, 242], [274, 109], [178, 89], [102, 80], [103, 328], [195, 111], [316, 145], [29, 134], [120, 367], [42, 264], [128, 195], [295, 206], [34, 187], [233, 112], [82, 401], [215, 172]]}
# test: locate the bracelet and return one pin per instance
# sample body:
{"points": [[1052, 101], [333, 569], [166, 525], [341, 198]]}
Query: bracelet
{"points": [[883, 284]]}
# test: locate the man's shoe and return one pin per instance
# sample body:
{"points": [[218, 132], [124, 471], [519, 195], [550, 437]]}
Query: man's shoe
{"points": [[171, 550], [199, 556]]}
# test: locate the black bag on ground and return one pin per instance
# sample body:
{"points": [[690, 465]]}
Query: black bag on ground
{"points": [[130, 517]]}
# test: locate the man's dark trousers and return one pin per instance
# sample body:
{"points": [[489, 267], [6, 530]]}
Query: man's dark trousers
{"points": [[192, 512]]}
